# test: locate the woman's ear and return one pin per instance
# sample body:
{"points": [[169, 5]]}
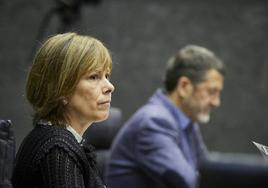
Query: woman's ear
{"points": [[184, 87], [64, 101]]}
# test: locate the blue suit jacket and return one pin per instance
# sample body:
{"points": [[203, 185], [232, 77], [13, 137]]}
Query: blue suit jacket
{"points": [[151, 149]]}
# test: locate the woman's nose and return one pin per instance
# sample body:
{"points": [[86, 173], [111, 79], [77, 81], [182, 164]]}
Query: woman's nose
{"points": [[109, 87]]}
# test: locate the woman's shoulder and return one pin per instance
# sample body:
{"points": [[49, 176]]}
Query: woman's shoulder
{"points": [[46, 138], [50, 135], [53, 136]]}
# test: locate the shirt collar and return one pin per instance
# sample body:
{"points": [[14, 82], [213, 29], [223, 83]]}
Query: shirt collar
{"points": [[77, 136], [184, 121]]}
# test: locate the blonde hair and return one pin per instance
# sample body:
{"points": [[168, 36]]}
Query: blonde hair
{"points": [[56, 70]]}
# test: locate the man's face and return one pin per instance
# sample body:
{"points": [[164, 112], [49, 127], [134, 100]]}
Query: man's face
{"points": [[203, 97]]}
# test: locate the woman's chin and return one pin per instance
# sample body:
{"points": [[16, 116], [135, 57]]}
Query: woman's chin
{"points": [[102, 117]]}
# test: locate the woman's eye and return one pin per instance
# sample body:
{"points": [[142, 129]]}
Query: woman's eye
{"points": [[93, 77], [108, 76]]}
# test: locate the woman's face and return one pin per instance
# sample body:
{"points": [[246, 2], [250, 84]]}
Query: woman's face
{"points": [[91, 99]]}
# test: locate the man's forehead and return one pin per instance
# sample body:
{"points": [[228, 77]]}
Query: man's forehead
{"points": [[214, 75], [213, 79]]}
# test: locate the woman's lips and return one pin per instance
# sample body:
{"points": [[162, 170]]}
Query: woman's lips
{"points": [[105, 104]]}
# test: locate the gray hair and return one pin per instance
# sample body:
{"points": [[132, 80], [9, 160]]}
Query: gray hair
{"points": [[193, 62]]}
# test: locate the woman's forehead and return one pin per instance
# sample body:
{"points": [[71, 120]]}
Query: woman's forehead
{"points": [[99, 69]]}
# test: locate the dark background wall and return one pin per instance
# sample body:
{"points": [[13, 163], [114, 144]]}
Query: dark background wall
{"points": [[142, 35]]}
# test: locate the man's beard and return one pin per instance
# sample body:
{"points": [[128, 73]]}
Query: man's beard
{"points": [[203, 117]]}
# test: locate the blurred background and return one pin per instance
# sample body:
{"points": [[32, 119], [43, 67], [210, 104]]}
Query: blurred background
{"points": [[142, 35]]}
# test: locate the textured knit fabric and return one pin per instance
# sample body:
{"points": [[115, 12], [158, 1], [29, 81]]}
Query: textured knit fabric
{"points": [[50, 157], [158, 147]]}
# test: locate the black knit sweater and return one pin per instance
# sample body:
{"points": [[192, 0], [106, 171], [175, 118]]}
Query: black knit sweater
{"points": [[51, 157]]}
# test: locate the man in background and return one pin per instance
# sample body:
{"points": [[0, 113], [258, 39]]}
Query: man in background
{"points": [[160, 146]]}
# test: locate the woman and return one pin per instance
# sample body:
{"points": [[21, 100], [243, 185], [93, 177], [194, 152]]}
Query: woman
{"points": [[68, 87]]}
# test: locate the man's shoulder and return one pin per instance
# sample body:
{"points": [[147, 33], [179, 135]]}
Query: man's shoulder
{"points": [[158, 111], [153, 117], [153, 110]]}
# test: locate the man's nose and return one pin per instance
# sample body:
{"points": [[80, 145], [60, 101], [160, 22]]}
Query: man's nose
{"points": [[216, 101]]}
